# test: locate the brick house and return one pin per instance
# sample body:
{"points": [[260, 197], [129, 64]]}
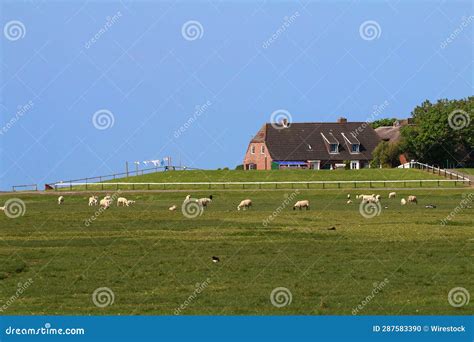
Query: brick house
{"points": [[311, 146]]}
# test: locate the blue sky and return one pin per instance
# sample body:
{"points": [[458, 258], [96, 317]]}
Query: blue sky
{"points": [[199, 94]]}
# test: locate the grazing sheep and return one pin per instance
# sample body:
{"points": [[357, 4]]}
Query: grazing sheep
{"points": [[367, 198], [129, 202], [93, 200], [392, 195], [412, 199], [60, 199], [2, 208], [172, 208], [105, 203], [378, 197], [301, 204], [349, 202], [245, 204], [403, 201], [121, 201], [205, 201], [348, 196]]}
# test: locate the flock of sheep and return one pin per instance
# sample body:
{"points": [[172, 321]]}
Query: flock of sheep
{"points": [[376, 198], [107, 201]]}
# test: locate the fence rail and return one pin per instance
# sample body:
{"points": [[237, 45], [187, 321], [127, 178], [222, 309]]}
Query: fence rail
{"points": [[434, 170], [228, 185], [25, 187], [93, 180]]}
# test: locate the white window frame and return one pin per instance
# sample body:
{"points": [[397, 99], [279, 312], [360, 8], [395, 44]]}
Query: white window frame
{"points": [[357, 164], [252, 149], [337, 149], [262, 149]]}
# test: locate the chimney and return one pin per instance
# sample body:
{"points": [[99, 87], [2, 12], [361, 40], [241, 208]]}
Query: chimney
{"points": [[342, 120]]}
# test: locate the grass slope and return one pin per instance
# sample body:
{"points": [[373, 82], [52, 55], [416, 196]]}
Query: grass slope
{"points": [[152, 259]]}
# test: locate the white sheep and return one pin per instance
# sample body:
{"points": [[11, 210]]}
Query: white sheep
{"points": [[93, 200], [301, 204], [378, 197], [105, 203], [367, 198], [129, 202], [121, 201], [2, 208], [172, 208], [412, 199], [205, 201], [348, 196], [349, 202], [245, 204], [403, 201], [392, 195], [60, 199]]}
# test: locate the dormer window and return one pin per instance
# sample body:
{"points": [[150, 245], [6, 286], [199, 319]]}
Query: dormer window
{"points": [[355, 148], [334, 148]]}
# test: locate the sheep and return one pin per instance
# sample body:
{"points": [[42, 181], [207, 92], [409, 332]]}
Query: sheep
{"points": [[60, 199], [403, 201], [93, 200], [172, 208], [245, 204], [392, 195], [348, 196], [121, 201], [2, 208], [378, 197], [129, 202], [412, 199], [367, 198], [301, 204], [349, 202], [104, 202], [205, 201]]}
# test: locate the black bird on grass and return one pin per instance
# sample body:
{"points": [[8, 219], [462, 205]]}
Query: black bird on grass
{"points": [[332, 228], [215, 259]]}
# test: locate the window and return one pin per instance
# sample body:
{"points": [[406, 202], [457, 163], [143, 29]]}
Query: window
{"points": [[355, 165], [262, 150], [334, 148], [252, 149], [355, 148]]}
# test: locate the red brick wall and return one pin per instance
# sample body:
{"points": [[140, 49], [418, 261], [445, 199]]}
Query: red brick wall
{"points": [[258, 158]]}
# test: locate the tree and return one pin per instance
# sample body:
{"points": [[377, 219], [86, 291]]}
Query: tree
{"points": [[386, 154], [382, 122], [442, 132]]}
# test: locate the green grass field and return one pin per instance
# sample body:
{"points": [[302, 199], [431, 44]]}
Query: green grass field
{"points": [[152, 258]]}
